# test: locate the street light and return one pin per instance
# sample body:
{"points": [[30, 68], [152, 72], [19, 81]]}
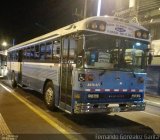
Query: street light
{"points": [[4, 44]]}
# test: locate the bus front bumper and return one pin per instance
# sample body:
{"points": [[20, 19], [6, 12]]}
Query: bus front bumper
{"points": [[103, 108]]}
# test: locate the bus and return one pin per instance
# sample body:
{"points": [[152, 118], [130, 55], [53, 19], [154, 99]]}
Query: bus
{"points": [[153, 70], [96, 65], [3, 64], [155, 51]]}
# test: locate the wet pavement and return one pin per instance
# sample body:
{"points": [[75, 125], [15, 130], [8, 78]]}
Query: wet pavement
{"points": [[19, 110]]}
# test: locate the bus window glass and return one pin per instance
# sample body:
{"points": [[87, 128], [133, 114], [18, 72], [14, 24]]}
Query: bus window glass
{"points": [[65, 49], [42, 51], [24, 54], [32, 52], [14, 56], [49, 47], [56, 51], [72, 48], [37, 54], [111, 53], [28, 53]]}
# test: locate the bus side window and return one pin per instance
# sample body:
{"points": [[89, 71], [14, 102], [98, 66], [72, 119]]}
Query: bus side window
{"points": [[24, 54], [49, 47], [28, 53], [10, 56], [65, 49], [72, 48], [56, 51], [42, 51], [37, 54], [32, 53], [14, 56]]}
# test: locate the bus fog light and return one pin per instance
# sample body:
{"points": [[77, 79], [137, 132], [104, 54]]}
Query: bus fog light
{"points": [[77, 96]]}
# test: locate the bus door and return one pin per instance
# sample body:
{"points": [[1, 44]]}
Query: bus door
{"points": [[20, 55], [67, 64]]}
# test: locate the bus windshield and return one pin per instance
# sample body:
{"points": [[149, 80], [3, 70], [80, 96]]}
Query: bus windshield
{"points": [[108, 52]]}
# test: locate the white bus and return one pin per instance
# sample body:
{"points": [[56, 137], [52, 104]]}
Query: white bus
{"points": [[3, 63], [83, 67], [155, 50]]}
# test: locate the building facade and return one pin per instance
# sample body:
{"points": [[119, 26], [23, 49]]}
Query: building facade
{"points": [[146, 12]]}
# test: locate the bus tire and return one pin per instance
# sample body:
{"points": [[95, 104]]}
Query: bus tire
{"points": [[13, 80], [49, 96]]}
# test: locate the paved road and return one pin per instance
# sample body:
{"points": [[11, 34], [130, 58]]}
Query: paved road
{"points": [[25, 113]]}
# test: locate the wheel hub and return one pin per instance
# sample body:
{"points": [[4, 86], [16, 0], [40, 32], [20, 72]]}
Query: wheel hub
{"points": [[49, 95]]}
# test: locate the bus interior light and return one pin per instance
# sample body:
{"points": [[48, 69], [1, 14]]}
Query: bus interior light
{"points": [[138, 44]]}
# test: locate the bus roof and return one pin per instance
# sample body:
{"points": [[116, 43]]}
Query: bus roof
{"points": [[116, 26]]}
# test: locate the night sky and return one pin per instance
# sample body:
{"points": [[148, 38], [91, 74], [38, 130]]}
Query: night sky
{"points": [[22, 20]]}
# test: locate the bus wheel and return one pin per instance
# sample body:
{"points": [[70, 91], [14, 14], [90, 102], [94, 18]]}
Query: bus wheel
{"points": [[13, 80], [49, 96]]}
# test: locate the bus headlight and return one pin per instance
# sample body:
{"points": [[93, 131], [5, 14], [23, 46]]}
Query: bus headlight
{"points": [[85, 77], [140, 80], [93, 96]]}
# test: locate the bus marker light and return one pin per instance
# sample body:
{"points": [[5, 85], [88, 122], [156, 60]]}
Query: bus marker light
{"points": [[94, 25], [138, 34], [102, 27], [144, 35]]}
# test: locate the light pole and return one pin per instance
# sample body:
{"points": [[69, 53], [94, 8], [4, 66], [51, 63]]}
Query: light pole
{"points": [[99, 8], [86, 5], [85, 9]]}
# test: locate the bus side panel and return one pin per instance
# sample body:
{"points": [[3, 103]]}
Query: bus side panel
{"points": [[14, 67], [34, 75]]}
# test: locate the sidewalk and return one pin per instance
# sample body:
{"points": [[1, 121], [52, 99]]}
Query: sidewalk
{"points": [[152, 99]]}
